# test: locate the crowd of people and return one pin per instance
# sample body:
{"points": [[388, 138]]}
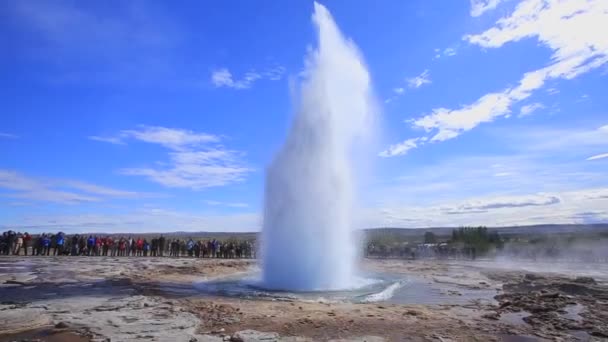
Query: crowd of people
{"points": [[16, 243]]}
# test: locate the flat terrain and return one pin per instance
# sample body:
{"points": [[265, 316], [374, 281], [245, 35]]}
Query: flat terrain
{"points": [[157, 299]]}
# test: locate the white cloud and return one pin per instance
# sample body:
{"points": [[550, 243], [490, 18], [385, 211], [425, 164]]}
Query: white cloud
{"points": [[112, 140], [569, 28], [8, 136], [223, 77], [100, 190], [552, 91], [171, 138], [54, 190], [502, 174], [449, 52], [274, 74], [559, 141], [529, 109], [420, 80], [598, 156], [401, 148], [131, 42], [139, 220], [565, 207], [399, 90], [197, 160], [196, 169], [479, 7], [227, 204], [508, 202]]}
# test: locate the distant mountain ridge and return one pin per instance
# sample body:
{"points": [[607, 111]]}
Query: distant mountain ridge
{"points": [[540, 229]]}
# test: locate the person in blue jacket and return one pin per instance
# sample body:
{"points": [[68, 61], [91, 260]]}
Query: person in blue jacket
{"points": [[46, 245], [59, 244], [90, 244]]}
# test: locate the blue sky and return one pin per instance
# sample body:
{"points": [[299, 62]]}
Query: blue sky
{"points": [[158, 115]]}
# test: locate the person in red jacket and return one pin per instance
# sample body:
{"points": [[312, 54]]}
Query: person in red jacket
{"points": [[98, 245], [110, 250], [140, 247], [26, 242], [122, 247]]}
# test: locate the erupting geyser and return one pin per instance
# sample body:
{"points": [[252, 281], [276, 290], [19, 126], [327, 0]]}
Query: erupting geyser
{"points": [[307, 239]]}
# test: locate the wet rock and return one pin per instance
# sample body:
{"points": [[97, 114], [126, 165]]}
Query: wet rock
{"points": [[505, 304], [61, 325], [532, 277], [539, 308], [413, 313], [598, 333], [14, 321], [15, 282], [585, 280], [492, 315], [550, 295]]}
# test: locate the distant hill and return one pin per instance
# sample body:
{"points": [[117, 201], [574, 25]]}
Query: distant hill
{"points": [[541, 229], [401, 233]]}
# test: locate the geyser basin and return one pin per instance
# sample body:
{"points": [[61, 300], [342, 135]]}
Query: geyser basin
{"points": [[375, 288], [307, 237]]}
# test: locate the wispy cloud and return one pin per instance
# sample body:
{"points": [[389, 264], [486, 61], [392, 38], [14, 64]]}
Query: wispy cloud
{"points": [[171, 138], [58, 190], [223, 77], [598, 156], [558, 141], [447, 52], [401, 148], [509, 202], [420, 80], [565, 27], [522, 209], [479, 7], [131, 41], [100, 190], [530, 108], [539, 159], [8, 136], [227, 204], [197, 160], [137, 220], [117, 140]]}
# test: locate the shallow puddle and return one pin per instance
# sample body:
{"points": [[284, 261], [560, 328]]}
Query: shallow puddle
{"points": [[514, 318], [44, 335], [573, 312]]}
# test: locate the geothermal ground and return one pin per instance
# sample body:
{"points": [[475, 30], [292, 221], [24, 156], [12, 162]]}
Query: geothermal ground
{"points": [[160, 299]]}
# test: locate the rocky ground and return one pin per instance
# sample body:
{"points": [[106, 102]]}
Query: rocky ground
{"points": [[145, 299]]}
